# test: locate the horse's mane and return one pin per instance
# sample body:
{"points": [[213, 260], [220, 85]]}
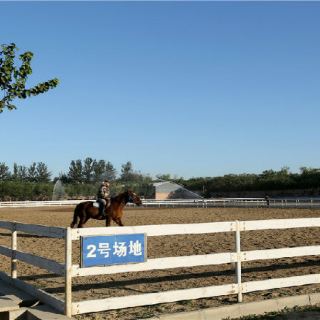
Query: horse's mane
{"points": [[121, 195]]}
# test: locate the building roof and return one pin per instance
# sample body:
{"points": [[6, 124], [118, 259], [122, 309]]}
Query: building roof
{"points": [[171, 187]]}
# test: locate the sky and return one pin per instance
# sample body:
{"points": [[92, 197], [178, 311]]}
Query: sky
{"points": [[186, 88]]}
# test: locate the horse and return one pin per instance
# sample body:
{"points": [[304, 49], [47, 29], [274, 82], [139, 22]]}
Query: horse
{"points": [[86, 210]]}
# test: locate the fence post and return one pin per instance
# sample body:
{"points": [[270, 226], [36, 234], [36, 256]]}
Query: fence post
{"points": [[14, 248], [238, 263], [68, 274]]}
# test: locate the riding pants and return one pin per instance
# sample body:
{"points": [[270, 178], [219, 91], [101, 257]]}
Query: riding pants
{"points": [[102, 203]]}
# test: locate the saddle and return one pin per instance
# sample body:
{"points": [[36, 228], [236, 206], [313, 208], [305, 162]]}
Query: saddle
{"points": [[96, 204]]}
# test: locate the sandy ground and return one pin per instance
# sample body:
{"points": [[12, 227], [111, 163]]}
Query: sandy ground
{"points": [[96, 287]]}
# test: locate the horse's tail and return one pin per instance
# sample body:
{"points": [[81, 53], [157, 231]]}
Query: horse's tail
{"points": [[75, 216]]}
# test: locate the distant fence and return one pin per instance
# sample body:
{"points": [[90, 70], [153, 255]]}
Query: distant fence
{"points": [[234, 202], [32, 204], [198, 203], [237, 256]]}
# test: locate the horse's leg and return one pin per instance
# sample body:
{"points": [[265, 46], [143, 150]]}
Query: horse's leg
{"points": [[75, 217], [84, 218], [80, 224], [108, 221], [118, 222]]}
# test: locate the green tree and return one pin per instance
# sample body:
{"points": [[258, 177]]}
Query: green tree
{"points": [[110, 171], [32, 172], [43, 174], [103, 170], [99, 170], [20, 172], [13, 78], [4, 171], [87, 169], [127, 171], [166, 176], [76, 171]]}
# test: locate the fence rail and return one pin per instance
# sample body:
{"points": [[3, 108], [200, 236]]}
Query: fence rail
{"points": [[33, 204], [176, 203], [43, 263], [237, 256]]}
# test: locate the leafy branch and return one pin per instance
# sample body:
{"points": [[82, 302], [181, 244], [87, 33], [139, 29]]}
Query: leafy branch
{"points": [[13, 78]]}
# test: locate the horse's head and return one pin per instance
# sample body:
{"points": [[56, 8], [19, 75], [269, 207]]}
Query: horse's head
{"points": [[133, 198]]}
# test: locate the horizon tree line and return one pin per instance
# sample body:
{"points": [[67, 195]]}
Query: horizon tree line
{"points": [[91, 171], [84, 171]]}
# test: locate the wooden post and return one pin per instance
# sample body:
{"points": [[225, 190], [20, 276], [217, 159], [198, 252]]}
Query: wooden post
{"points": [[68, 273], [14, 248], [238, 264]]}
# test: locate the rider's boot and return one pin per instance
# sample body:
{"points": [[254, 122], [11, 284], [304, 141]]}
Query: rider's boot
{"points": [[102, 211]]}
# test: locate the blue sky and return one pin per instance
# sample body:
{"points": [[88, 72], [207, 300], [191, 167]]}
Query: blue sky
{"points": [[186, 88]]}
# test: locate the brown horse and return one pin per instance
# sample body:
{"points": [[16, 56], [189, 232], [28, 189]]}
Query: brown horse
{"points": [[86, 210]]}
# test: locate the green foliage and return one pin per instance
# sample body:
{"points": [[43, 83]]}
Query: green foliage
{"points": [[4, 171], [19, 172], [42, 173], [13, 78], [19, 191], [36, 172], [166, 177], [89, 171], [85, 176], [32, 172], [76, 171], [126, 171], [80, 191], [268, 180], [110, 172]]}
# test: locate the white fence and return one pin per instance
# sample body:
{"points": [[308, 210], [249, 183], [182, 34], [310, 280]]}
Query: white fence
{"points": [[43, 263], [174, 203], [32, 204], [237, 256]]}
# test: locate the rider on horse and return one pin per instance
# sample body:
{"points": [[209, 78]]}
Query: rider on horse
{"points": [[103, 197]]}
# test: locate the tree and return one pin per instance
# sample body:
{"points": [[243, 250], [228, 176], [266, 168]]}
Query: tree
{"points": [[126, 171], [32, 172], [87, 169], [43, 174], [64, 178], [75, 171], [4, 171], [110, 171], [166, 176], [99, 170], [13, 79], [20, 172]]}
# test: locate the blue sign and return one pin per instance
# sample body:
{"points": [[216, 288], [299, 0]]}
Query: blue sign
{"points": [[115, 249]]}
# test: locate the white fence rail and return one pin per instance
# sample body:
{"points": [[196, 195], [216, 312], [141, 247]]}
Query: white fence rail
{"points": [[43, 263], [33, 204], [235, 202], [237, 256], [174, 203]]}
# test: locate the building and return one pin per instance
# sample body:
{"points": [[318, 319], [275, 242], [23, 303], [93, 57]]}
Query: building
{"points": [[170, 190]]}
